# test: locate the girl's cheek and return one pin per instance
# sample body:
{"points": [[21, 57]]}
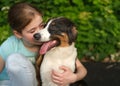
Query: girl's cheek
{"points": [[30, 37]]}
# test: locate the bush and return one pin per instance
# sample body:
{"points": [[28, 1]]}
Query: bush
{"points": [[97, 22]]}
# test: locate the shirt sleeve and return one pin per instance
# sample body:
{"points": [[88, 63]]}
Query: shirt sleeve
{"points": [[6, 48]]}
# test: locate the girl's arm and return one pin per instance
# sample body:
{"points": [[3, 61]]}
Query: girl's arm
{"points": [[81, 71], [68, 76], [2, 63]]}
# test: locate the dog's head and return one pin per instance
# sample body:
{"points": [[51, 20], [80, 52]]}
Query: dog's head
{"points": [[60, 29]]}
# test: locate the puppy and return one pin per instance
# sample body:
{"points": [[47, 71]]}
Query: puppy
{"points": [[62, 33]]}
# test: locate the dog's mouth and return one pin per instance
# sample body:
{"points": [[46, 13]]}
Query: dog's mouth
{"points": [[47, 46]]}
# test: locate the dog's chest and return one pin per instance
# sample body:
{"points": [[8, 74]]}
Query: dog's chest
{"points": [[57, 57]]}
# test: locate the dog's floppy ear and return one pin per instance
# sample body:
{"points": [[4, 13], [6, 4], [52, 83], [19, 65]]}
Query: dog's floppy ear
{"points": [[72, 35], [75, 32]]}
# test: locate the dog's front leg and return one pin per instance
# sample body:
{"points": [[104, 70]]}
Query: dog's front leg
{"points": [[37, 67]]}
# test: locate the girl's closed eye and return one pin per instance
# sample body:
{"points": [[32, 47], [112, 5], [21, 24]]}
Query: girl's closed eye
{"points": [[32, 30], [44, 25], [41, 26]]}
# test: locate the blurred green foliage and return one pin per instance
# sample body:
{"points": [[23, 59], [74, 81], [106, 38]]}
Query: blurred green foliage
{"points": [[97, 21]]}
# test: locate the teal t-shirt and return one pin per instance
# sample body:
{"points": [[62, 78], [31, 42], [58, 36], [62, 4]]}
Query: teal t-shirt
{"points": [[10, 46]]}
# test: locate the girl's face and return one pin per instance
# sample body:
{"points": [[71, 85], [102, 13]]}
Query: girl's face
{"points": [[33, 27]]}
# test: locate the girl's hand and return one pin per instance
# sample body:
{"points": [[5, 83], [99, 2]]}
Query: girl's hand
{"points": [[65, 78]]}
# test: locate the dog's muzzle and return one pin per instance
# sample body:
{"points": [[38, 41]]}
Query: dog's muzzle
{"points": [[37, 36]]}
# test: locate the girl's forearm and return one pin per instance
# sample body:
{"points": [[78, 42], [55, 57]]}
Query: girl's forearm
{"points": [[81, 71], [1, 64]]}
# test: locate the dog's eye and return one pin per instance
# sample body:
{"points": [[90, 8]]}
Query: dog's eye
{"points": [[54, 31]]}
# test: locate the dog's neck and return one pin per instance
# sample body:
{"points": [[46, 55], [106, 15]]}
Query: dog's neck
{"points": [[63, 44]]}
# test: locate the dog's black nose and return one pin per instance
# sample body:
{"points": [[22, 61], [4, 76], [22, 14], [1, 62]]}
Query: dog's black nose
{"points": [[37, 36]]}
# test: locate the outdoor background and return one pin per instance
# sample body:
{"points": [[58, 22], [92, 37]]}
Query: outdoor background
{"points": [[97, 21]]}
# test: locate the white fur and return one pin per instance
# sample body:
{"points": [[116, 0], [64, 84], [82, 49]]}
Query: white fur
{"points": [[45, 35], [55, 58]]}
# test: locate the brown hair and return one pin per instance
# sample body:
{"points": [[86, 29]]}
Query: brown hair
{"points": [[21, 14]]}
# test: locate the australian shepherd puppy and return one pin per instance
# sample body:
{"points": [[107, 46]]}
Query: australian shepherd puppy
{"points": [[60, 31]]}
